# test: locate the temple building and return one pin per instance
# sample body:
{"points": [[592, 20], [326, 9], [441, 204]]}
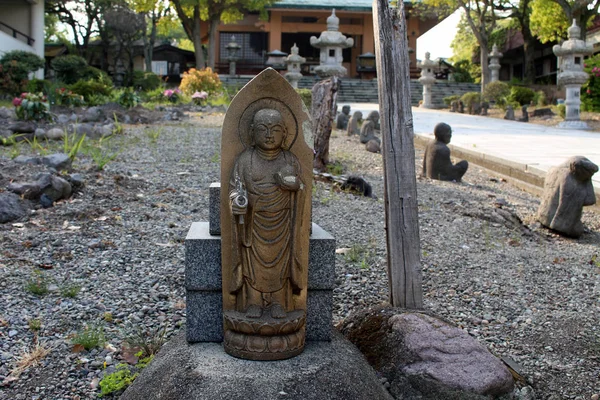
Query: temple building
{"points": [[295, 21]]}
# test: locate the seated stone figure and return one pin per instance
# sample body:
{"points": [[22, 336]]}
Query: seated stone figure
{"points": [[367, 130], [568, 187], [353, 123], [436, 162], [342, 119]]}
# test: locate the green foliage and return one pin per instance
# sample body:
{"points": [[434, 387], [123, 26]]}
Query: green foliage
{"points": [[32, 106], [101, 153], [522, 95], [128, 98], [448, 100], [548, 21], [38, 86], [470, 98], [66, 97], [122, 377], [148, 341], [70, 290], [306, 95], [69, 68], [496, 92], [146, 81], [37, 284], [93, 73], [91, 90], [464, 70], [590, 91], [540, 98], [20, 64], [72, 144], [562, 110], [89, 337], [200, 80], [34, 324]]}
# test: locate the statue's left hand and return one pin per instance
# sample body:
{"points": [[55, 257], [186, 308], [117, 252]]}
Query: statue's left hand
{"points": [[289, 182]]}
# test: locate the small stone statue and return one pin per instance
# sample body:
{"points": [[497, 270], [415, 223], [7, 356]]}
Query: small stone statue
{"points": [[461, 107], [567, 189], [373, 146], [265, 220], [475, 108], [342, 119], [367, 130], [485, 106], [525, 117], [510, 113], [454, 106], [436, 162], [353, 123]]}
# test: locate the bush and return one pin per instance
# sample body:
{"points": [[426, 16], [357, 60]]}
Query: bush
{"points": [[496, 92], [95, 74], [590, 93], [521, 95], [32, 106], [470, 98], [448, 100], [462, 72], [146, 81], [91, 88], [540, 98], [38, 85], [562, 110], [21, 63], [200, 80], [70, 68], [128, 98], [306, 95]]}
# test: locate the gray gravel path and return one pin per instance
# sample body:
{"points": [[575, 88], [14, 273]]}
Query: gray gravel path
{"points": [[523, 291]]}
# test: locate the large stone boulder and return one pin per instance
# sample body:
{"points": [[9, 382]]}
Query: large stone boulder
{"points": [[424, 357], [325, 370]]}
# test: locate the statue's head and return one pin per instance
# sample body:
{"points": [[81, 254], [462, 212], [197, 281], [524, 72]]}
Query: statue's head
{"points": [[582, 168], [346, 110], [357, 115], [443, 132], [373, 116], [267, 129]]}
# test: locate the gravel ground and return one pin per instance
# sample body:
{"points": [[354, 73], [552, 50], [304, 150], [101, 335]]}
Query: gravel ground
{"points": [[524, 292]]}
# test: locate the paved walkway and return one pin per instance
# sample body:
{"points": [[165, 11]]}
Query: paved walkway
{"points": [[535, 145]]}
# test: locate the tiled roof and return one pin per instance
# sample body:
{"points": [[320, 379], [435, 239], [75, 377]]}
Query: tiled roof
{"points": [[348, 5]]}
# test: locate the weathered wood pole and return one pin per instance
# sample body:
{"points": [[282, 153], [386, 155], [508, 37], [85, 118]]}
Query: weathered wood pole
{"points": [[323, 111], [401, 212]]}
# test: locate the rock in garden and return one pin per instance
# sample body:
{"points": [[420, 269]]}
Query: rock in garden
{"points": [[58, 161], [77, 181], [102, 131], [81, 129], [92, 114], [63, 119], [373, 146], [424, 357], [567, 189], [55, 133], [542, 112], [56, 188], [11, 208], [27, 160], [22, 127], [436, 161], [6, 112], [40, 133], [358, 185], [28, 190]]}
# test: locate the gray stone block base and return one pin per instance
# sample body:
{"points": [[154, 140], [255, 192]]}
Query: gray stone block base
{"points": [[333, 370]]}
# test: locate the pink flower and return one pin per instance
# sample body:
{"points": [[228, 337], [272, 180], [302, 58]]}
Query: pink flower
{"points": [[588, 91], [200, 95], [16, 102], [24, 94], [168, 93]]}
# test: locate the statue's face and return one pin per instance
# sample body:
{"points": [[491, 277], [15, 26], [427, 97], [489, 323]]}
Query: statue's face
{"points": [[268, 129]]}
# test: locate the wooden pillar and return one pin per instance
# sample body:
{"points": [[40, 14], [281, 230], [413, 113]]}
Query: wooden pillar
{"points": [[400, 183], [368, 41], [275, 31]]}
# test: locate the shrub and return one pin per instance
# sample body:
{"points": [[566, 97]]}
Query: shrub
{"points": [[32, 106], [521, 95], [69, 68], [306, 95], [496, 92], [146, 81], [66, 97], [21, 63], [200, 80], [590, 93], [448, 100], [562, 110], [93, 73], [90, 337], [38, 85], [172, 95], [470, 98], [91, 88], [199, 98], [540, 98], [128, 98]]}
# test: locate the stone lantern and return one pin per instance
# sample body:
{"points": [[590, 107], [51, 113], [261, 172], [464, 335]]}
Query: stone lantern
{"points": [[571, 75], [232, 54], [276, 59], [494, 66], [294, 61], [427, 79], [331, 42]]}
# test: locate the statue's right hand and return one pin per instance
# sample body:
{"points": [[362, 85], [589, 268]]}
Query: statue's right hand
{"points": [[239, 205]]}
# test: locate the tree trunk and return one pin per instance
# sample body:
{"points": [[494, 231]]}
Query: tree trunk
{"points": [[197, 39], [528, 59], [485, 67], [401, 213], [212, 41], [323, 111]]}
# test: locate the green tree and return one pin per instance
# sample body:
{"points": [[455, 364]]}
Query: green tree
{"points": [[550, 19], [153, 11], [191, 12]]}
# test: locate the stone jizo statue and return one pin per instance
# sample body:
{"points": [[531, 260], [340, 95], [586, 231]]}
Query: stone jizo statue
{"points": [[510, 113], [265, 220], [436, 162], [353, 128], [525, 117], [367, 130], [567, 189], [342, 119]]}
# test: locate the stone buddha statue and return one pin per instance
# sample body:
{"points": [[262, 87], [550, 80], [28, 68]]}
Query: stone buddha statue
{"points": [[367, 130], [436, 162]]}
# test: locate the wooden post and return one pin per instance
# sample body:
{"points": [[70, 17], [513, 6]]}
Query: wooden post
{"points": [[323, 111], [401, 212]]}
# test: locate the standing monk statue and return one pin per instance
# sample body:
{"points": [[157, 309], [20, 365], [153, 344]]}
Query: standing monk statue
{"points": [[263, 191]]}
